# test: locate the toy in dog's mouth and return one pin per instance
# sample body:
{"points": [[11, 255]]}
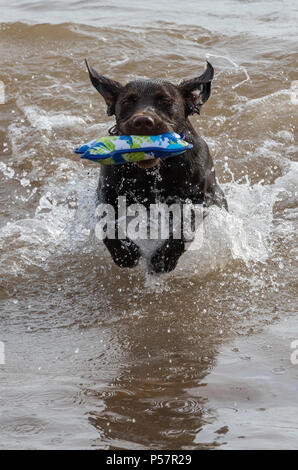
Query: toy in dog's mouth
{"points": [[144, 150]]}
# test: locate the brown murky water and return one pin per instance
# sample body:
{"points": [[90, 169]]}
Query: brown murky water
{"points": [[98, 357]]}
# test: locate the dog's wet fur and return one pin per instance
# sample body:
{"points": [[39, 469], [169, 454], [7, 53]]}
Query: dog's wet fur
{"points": [[152, 107]]}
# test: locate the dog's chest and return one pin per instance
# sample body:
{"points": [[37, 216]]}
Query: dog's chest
{"points": [[167, 183]]}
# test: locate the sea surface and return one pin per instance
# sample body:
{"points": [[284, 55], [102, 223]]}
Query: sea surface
{"points": [[96, 357]]}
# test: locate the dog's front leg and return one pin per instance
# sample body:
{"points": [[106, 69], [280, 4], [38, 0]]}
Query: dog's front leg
{"points": [[125, 253], [183, 222], [166, 257]]}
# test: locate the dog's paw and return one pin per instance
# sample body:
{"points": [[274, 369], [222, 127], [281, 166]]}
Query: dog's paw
{"points": [[125, 253], [166, 257]]}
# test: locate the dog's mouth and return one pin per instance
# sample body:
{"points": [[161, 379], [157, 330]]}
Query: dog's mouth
{"points": [[158, 127], [150, 163]]}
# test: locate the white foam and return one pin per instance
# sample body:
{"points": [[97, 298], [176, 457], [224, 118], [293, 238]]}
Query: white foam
{"points": [[48, 121]]}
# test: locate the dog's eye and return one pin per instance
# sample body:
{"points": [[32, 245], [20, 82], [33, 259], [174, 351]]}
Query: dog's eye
{"points": [[164, 99], [130, 99]]}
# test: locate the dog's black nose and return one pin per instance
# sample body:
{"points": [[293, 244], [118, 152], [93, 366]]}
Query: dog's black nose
{"points": [[145, 123]]}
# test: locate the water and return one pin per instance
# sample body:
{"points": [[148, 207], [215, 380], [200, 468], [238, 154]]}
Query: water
{"points": [[98, 357]]}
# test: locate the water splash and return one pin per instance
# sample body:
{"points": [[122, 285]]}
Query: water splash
{"points": [[236, 66]]}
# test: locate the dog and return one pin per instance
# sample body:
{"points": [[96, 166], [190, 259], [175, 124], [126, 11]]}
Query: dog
{"points": [[152, 107]]}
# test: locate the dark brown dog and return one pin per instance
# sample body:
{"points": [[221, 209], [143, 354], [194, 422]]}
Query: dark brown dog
{"points": [[151, 107]]}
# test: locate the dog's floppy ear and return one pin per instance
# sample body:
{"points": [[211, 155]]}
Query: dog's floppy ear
{"points": [[108, 88], [196, 91]]}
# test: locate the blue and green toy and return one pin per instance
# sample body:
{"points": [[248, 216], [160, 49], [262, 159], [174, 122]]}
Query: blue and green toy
{"points": [[115, 150]]}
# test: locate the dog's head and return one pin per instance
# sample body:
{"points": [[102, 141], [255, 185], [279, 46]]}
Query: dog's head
{"points": [[151, 107]]}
